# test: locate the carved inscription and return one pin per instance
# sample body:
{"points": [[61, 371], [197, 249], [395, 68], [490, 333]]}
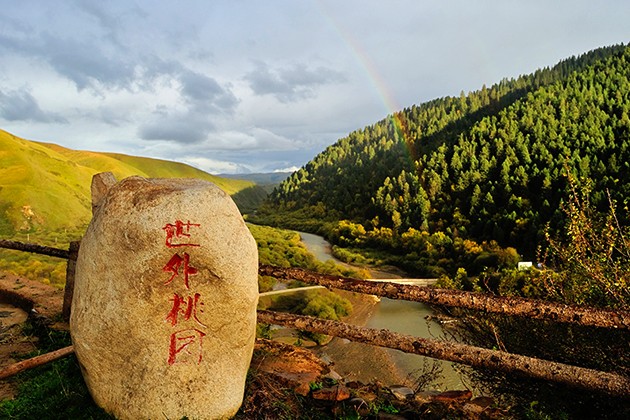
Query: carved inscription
{"points": [[186, 342]]}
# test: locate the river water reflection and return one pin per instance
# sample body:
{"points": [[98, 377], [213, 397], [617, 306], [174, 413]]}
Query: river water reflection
{"points": [[395, 315]]}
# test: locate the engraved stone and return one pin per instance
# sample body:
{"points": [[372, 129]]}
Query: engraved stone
{"points": [[164, 311]]}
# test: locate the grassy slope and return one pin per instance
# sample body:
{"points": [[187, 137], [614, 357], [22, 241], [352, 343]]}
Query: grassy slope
{"points": [[55, 181], [56, 189]]}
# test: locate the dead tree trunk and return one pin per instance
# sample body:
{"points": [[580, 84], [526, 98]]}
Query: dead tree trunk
{"points": [[513, 306], [477, 357]]}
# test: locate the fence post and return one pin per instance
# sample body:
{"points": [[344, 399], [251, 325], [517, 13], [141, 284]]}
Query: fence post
{"points": [[73, 252]]}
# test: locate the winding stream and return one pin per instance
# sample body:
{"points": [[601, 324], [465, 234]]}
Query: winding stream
{"points": [[395, 315]]}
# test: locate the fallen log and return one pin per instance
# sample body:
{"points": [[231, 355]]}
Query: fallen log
{"points": [[40, 360], [477, 357], [513, 306]]}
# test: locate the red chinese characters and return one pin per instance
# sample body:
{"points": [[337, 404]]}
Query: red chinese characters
{"points": [[186, 309], [178, 234], [186, 343], [175, 263]]}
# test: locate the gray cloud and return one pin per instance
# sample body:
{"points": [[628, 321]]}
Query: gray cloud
{"points": [[199, 87], [100, 57], [20, 105], [204, 92], [205, 100], [290, 84], [87, 65], [105, 65], [113, 19], [174, 129], [187, 127]]}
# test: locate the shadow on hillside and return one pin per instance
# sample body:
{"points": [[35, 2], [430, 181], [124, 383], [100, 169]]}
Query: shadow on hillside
{"points": [[250, 198]]}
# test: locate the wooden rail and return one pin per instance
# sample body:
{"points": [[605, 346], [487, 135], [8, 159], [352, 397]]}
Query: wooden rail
{"points": [[477, 357], [18, 367], [37, 249], [511, 306]]}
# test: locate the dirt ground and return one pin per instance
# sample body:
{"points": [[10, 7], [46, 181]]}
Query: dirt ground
{"points": [[12, 343], [44, 299], [18, 297]]}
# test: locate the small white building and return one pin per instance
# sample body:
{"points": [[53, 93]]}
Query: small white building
{"points": [[524, 265]]}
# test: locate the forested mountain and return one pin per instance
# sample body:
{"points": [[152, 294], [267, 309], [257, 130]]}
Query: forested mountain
{"points": [[489, 165]]}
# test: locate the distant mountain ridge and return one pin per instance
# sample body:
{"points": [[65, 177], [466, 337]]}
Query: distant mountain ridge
{"points": [[251, 198], [47, 186]]}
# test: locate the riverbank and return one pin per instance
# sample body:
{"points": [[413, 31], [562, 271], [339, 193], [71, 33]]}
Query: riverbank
{"points": [[365, 363], [357, 361]]}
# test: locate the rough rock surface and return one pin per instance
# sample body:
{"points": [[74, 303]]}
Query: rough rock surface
{"points": [[333, 393], [295, 367], [164, 310]]}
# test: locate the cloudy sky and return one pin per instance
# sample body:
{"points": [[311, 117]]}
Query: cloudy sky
{"points": [[256, 86]]}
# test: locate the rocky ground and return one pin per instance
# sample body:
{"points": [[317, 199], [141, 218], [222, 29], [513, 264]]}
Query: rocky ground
{"points": [[291, 382], [12, 342], [285, 381]]}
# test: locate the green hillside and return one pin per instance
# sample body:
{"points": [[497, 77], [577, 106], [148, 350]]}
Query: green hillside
{"points": [[435, 181], [47, 187], [263, 179]]}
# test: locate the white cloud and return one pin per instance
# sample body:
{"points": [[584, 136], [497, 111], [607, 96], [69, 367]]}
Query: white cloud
{"points": [[289, 169], [214, 166]]}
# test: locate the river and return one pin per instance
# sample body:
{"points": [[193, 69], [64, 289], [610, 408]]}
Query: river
{"points": [[366, 363]]}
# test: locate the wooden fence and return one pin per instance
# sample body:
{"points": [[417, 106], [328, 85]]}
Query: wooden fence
{"points": [[477, 357]]}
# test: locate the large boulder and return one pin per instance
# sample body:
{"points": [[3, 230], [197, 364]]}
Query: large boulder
{"points": [[164, 311]]}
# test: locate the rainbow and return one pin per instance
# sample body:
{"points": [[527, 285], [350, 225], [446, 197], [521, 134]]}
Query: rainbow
{"points": [[392, 108]]}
